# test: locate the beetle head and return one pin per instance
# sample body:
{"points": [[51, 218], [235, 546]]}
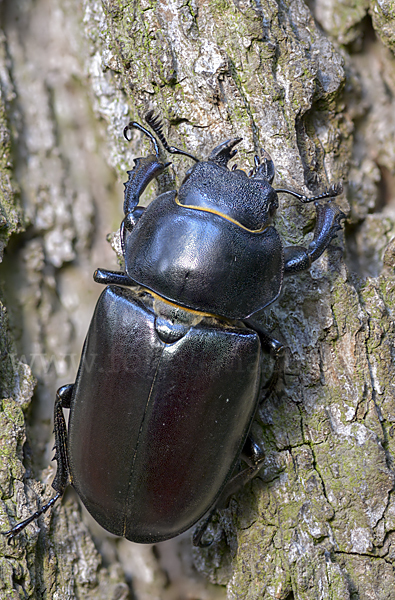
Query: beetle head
{"points": [[249, 200]]}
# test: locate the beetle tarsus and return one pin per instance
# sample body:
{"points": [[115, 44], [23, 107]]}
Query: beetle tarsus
{"points": [[14, 531]]}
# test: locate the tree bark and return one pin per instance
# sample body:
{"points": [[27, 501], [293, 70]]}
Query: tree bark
{"points": [[314, 84]]}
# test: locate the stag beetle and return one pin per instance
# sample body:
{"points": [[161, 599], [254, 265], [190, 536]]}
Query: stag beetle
{"points": [[170, 375]]}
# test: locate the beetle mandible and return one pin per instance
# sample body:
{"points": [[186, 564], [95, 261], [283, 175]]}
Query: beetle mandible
{"points": [[170, 375]]}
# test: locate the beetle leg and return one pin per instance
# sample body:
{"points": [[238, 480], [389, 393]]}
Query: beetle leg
{"points": [[253, 455], [269, 343], [276, 350], [108, 277], [11, 533], [144, 171], [334, 190], [62, 477], [201, 529], [298, 258], [131, 219]]}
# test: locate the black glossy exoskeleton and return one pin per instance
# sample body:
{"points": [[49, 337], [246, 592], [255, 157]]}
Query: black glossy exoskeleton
{"points": [[170, 375]]}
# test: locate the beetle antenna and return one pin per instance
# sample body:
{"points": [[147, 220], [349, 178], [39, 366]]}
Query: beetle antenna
{"points": [[156, 125], [135, 125], [331, 192]]}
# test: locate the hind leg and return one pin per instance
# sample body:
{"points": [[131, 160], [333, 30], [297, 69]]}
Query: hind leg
{"points": [[62, 477]]}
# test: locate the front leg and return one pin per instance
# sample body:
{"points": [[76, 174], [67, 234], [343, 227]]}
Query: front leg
{"points": [[298, 258], [146, 168], [144, 171]]}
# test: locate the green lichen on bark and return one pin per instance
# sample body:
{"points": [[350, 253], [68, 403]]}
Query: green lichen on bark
{"points": [[10, 212], [383, 18]]}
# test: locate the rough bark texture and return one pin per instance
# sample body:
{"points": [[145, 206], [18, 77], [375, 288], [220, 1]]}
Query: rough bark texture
{"points": [[314, 84]]}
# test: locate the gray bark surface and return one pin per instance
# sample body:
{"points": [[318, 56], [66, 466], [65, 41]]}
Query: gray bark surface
{"points": [[314, 84]]}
